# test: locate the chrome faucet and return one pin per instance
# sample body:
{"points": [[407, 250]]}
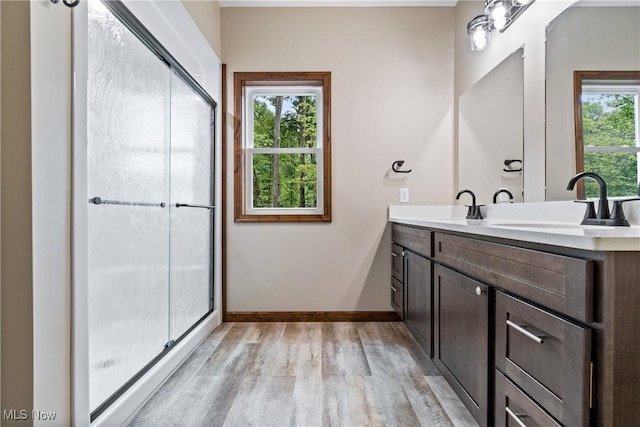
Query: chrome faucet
{"points": [[474, 210], [502, 190], [603, 217]]}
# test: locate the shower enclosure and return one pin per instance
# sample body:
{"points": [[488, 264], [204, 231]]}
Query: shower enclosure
{"points": [[150, 193]]}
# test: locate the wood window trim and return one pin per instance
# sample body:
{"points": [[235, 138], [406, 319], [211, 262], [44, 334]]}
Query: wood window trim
{"points": [[578, 80], [240, 81], [223, 237]]}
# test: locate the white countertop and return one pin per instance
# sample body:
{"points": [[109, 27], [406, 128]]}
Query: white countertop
{"points": [[549, 223]]}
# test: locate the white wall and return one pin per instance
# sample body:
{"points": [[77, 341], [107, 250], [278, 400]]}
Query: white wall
{"points": [[16, 281], [528, 31], [582, 38], [392, 88], [206, 15], [51, 79]]}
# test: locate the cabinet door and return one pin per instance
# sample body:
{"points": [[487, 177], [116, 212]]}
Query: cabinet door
{"points": [[461, 338], [419, 291]]}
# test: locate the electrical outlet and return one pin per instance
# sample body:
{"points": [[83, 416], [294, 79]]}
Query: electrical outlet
{"points": [[404, 195]]}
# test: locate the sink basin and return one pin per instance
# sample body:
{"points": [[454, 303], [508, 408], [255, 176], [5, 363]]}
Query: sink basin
{"points": [[550, 225]]}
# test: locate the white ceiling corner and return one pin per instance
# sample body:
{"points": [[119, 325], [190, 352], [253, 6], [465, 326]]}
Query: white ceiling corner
{"points": [[607, 3], [336, 3]]}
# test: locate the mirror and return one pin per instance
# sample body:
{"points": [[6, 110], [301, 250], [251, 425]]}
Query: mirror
{"points": [[585, 37], [490, 137], [527, 32]]}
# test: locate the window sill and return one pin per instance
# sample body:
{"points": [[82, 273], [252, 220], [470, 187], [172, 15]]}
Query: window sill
{"points": [[283, 218]]}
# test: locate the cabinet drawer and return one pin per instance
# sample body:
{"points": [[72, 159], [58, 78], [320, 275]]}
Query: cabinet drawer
{"points": [[397, 262], [417, 239], [515, 409], [546, 356], [561, 283], [397, 296]]}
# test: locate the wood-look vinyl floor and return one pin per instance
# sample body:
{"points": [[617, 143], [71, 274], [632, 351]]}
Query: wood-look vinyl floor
{"points": [[306, 374]]}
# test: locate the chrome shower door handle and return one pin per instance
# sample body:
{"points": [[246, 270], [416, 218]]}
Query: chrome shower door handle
{"points": [[101, 201], [188, 205]]}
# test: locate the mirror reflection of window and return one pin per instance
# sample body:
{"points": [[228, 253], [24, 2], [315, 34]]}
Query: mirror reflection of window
{"points": [[610, 137], [607, 130]]}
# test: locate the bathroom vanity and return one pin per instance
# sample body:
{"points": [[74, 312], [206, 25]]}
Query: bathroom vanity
{"points": [[532, 323]]}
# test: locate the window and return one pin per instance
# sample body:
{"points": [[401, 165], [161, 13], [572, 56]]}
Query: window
{"points": [[609, 134], [282, 147]]}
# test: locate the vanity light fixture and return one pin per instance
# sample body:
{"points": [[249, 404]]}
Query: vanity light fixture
{"points": [[498, 15]]}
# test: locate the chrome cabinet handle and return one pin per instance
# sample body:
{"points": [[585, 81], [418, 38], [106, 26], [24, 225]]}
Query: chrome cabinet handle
{"points": [[394, 254], [394, 289], [479, 290], [526, 333], [515, 417]]}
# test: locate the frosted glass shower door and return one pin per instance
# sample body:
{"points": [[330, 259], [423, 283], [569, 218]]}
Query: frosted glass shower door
{"points": [[191, 207], [128, 219]]}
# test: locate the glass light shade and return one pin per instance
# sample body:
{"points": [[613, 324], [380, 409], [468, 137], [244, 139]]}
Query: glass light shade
{"points": [[479, 32], [521, 2], [499, 12], [479, 39]]}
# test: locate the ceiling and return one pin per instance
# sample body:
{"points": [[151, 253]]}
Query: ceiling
{"points": [[335, 3], [387, 3], [608, 3]]}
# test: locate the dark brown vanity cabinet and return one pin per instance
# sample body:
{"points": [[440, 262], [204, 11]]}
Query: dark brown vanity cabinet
{"points": [[545, 356], [462, 332], [525, 333]]}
